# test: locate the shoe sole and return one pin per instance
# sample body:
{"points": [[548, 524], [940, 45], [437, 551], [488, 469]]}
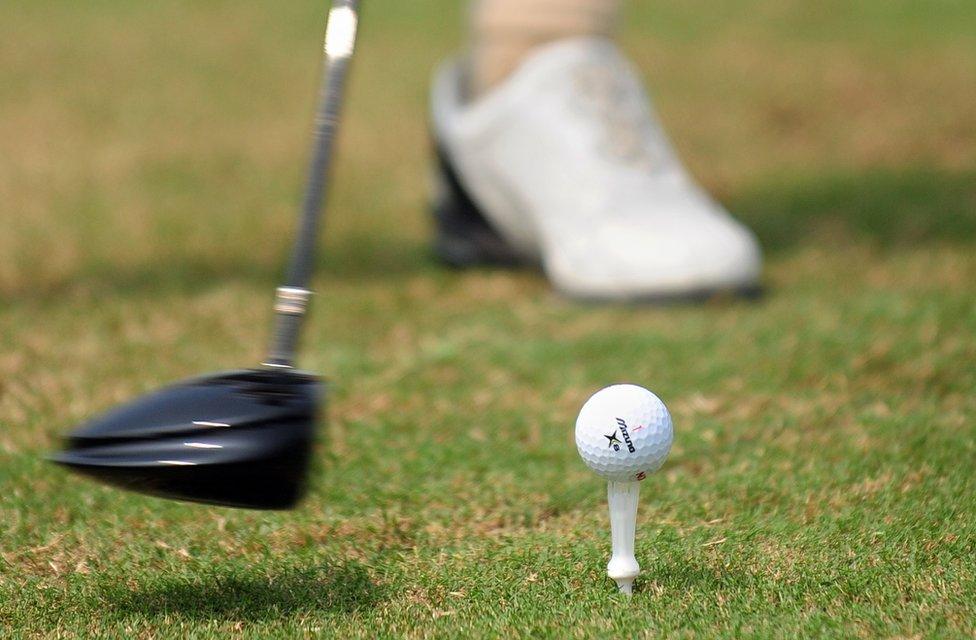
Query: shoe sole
{"points": [[706, 295]]}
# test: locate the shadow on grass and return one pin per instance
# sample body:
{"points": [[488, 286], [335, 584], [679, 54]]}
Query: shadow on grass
{"points": [[355, 261], [886, 208], [252, 596]]}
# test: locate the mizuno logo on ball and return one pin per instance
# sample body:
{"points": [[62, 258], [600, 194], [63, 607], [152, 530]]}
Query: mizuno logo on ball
{"points": [[625, 434]]}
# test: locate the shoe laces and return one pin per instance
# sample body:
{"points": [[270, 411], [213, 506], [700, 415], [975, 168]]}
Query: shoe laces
{"points": [[612, 96]]}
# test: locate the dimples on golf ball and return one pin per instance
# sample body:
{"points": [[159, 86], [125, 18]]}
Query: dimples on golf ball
{"points": [[624, 432]]}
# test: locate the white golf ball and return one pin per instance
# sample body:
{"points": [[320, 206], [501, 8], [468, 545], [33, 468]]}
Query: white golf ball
{"points": [[624, 432]]}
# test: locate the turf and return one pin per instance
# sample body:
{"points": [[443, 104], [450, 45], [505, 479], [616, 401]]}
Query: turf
{"points": [[821, 485]]}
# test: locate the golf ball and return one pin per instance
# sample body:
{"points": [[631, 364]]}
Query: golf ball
{"points": [[624, 432]]}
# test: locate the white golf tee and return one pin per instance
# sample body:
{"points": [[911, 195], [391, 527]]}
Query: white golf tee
{"points": [[622, 498]]}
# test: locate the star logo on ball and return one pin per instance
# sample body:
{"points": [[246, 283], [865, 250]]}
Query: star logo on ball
{"points": [[614, 441]]}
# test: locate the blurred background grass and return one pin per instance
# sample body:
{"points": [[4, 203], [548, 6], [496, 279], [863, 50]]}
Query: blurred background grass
{"points": [[151, 159], [136, 138]]}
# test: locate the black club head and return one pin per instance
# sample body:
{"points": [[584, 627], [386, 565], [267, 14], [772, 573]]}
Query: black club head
{"points": [[238, 439]]}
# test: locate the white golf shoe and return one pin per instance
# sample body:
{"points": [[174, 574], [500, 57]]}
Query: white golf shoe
{"points": [[566, 164]]}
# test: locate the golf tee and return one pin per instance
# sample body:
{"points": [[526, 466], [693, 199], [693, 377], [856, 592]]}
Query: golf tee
{"points": [[622, 498]]}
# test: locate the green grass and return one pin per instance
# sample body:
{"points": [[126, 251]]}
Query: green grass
{"points": [[151, 157]]}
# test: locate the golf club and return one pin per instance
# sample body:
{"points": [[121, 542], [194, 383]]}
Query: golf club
{"points": [[239, 438]]}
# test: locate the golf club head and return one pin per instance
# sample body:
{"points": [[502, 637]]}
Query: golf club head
{"points": [[237, 439]]}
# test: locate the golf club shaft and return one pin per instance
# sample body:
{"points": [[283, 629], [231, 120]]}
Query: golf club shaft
{"points": [[291, 301]]}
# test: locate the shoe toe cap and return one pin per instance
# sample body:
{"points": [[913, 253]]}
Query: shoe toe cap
{"points": [[671, 256]]}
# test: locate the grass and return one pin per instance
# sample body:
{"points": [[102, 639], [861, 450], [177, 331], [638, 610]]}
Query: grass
{"points": [[151, 157]]}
